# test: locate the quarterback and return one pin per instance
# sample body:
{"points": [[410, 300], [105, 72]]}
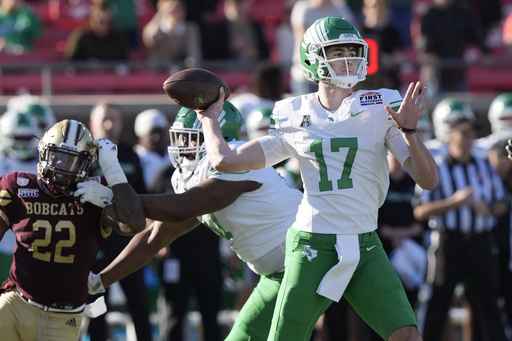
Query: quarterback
{"points": [[251, 210], [341, 139], [58, 236]]}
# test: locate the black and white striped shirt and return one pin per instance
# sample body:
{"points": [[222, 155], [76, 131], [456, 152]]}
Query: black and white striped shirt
{"points": [[453, 176]]}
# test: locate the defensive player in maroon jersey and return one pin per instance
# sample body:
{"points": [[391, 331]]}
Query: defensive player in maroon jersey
{"points": [[58, 236]]}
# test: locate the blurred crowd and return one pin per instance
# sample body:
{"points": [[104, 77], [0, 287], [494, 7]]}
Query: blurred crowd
{"points": [[439, 39]]}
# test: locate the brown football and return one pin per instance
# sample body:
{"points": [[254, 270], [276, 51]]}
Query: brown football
{"points": [[195, 88]]}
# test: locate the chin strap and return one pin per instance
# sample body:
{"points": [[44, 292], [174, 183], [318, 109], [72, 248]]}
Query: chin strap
{"points": [[59, 189]]}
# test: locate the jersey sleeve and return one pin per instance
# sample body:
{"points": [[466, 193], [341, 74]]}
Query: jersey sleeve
{"points": [[236, 176], [273, 146], [394, 139]]}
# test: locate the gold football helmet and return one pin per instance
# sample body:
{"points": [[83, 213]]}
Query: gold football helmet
{"points": [[66, 153]]}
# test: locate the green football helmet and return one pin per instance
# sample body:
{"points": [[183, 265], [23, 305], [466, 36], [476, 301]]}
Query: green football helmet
{"points": [[500, 116], [19, 133], [327, 32], [258, 122], [424, 127], [447, 111], [187, 143], [35, 106], [66, 154], [43, 114]]}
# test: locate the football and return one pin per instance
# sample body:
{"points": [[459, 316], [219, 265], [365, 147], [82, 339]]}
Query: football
{"points": [[195, 88]]}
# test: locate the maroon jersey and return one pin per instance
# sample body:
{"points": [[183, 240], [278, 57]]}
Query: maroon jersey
{"points": [[56, 241]]}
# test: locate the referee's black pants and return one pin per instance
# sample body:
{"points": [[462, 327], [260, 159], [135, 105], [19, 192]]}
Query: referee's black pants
{"points": [[455, 257]]}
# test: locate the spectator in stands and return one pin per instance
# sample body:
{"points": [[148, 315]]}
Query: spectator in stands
{"points": [[507, 33], [236, 36], [106, 121], [126, 19], [170, 37], [442, 50], [19, 27], [376, 25], [152, 129], [99, 40], [284, 38], [488, 12], [401, 15], [304, 13], [203, 13]]}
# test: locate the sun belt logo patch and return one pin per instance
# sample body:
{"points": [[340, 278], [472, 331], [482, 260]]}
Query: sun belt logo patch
{"points": [[370, 98], [28, 192], [22, 182], [309, 252]]}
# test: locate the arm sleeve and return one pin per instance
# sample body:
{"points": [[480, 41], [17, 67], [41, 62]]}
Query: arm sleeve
{"points": [[274, 147], [396, 144]]}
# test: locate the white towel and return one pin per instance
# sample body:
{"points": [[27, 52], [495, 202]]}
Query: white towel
{"points": [[96, 308], [336, 280]]}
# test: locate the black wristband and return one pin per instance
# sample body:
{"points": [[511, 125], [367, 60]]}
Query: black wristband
{"points": [[407, 131]]}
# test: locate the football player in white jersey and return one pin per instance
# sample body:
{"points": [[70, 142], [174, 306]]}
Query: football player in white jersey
{"points": [[500, 117], [341, 139], [252, 210]]}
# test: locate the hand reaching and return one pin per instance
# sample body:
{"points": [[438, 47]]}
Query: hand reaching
{"points": [[412, 107], [107, 158]]}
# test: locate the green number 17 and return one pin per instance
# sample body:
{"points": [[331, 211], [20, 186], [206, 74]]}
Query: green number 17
{"points": [[336, 144]]}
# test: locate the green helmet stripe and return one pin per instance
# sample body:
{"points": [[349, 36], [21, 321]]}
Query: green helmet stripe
{"points": [[221, 117]]}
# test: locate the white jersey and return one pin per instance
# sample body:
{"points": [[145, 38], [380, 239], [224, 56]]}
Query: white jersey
{"points": [[342, 155], [256, 223]]}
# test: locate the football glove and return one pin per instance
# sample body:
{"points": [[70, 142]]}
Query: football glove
{"points": [[94, 192], [509, 149], [94, 284], [107, 158]]}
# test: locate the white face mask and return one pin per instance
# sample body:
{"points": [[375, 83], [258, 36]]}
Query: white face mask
{"points": [[189, 165]]}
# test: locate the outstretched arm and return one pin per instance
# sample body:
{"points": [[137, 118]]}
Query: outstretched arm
{"points": [[420, 164], [248, 156], [143, 247], [128, 215], [209, 196]]}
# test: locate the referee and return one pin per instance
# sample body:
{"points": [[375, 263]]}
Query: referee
{"points": [[462, 210]]}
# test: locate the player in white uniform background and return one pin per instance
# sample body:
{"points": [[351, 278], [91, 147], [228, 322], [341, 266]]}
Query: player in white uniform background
{"points": [[500, 118], [341, 140], [251, 210]]}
